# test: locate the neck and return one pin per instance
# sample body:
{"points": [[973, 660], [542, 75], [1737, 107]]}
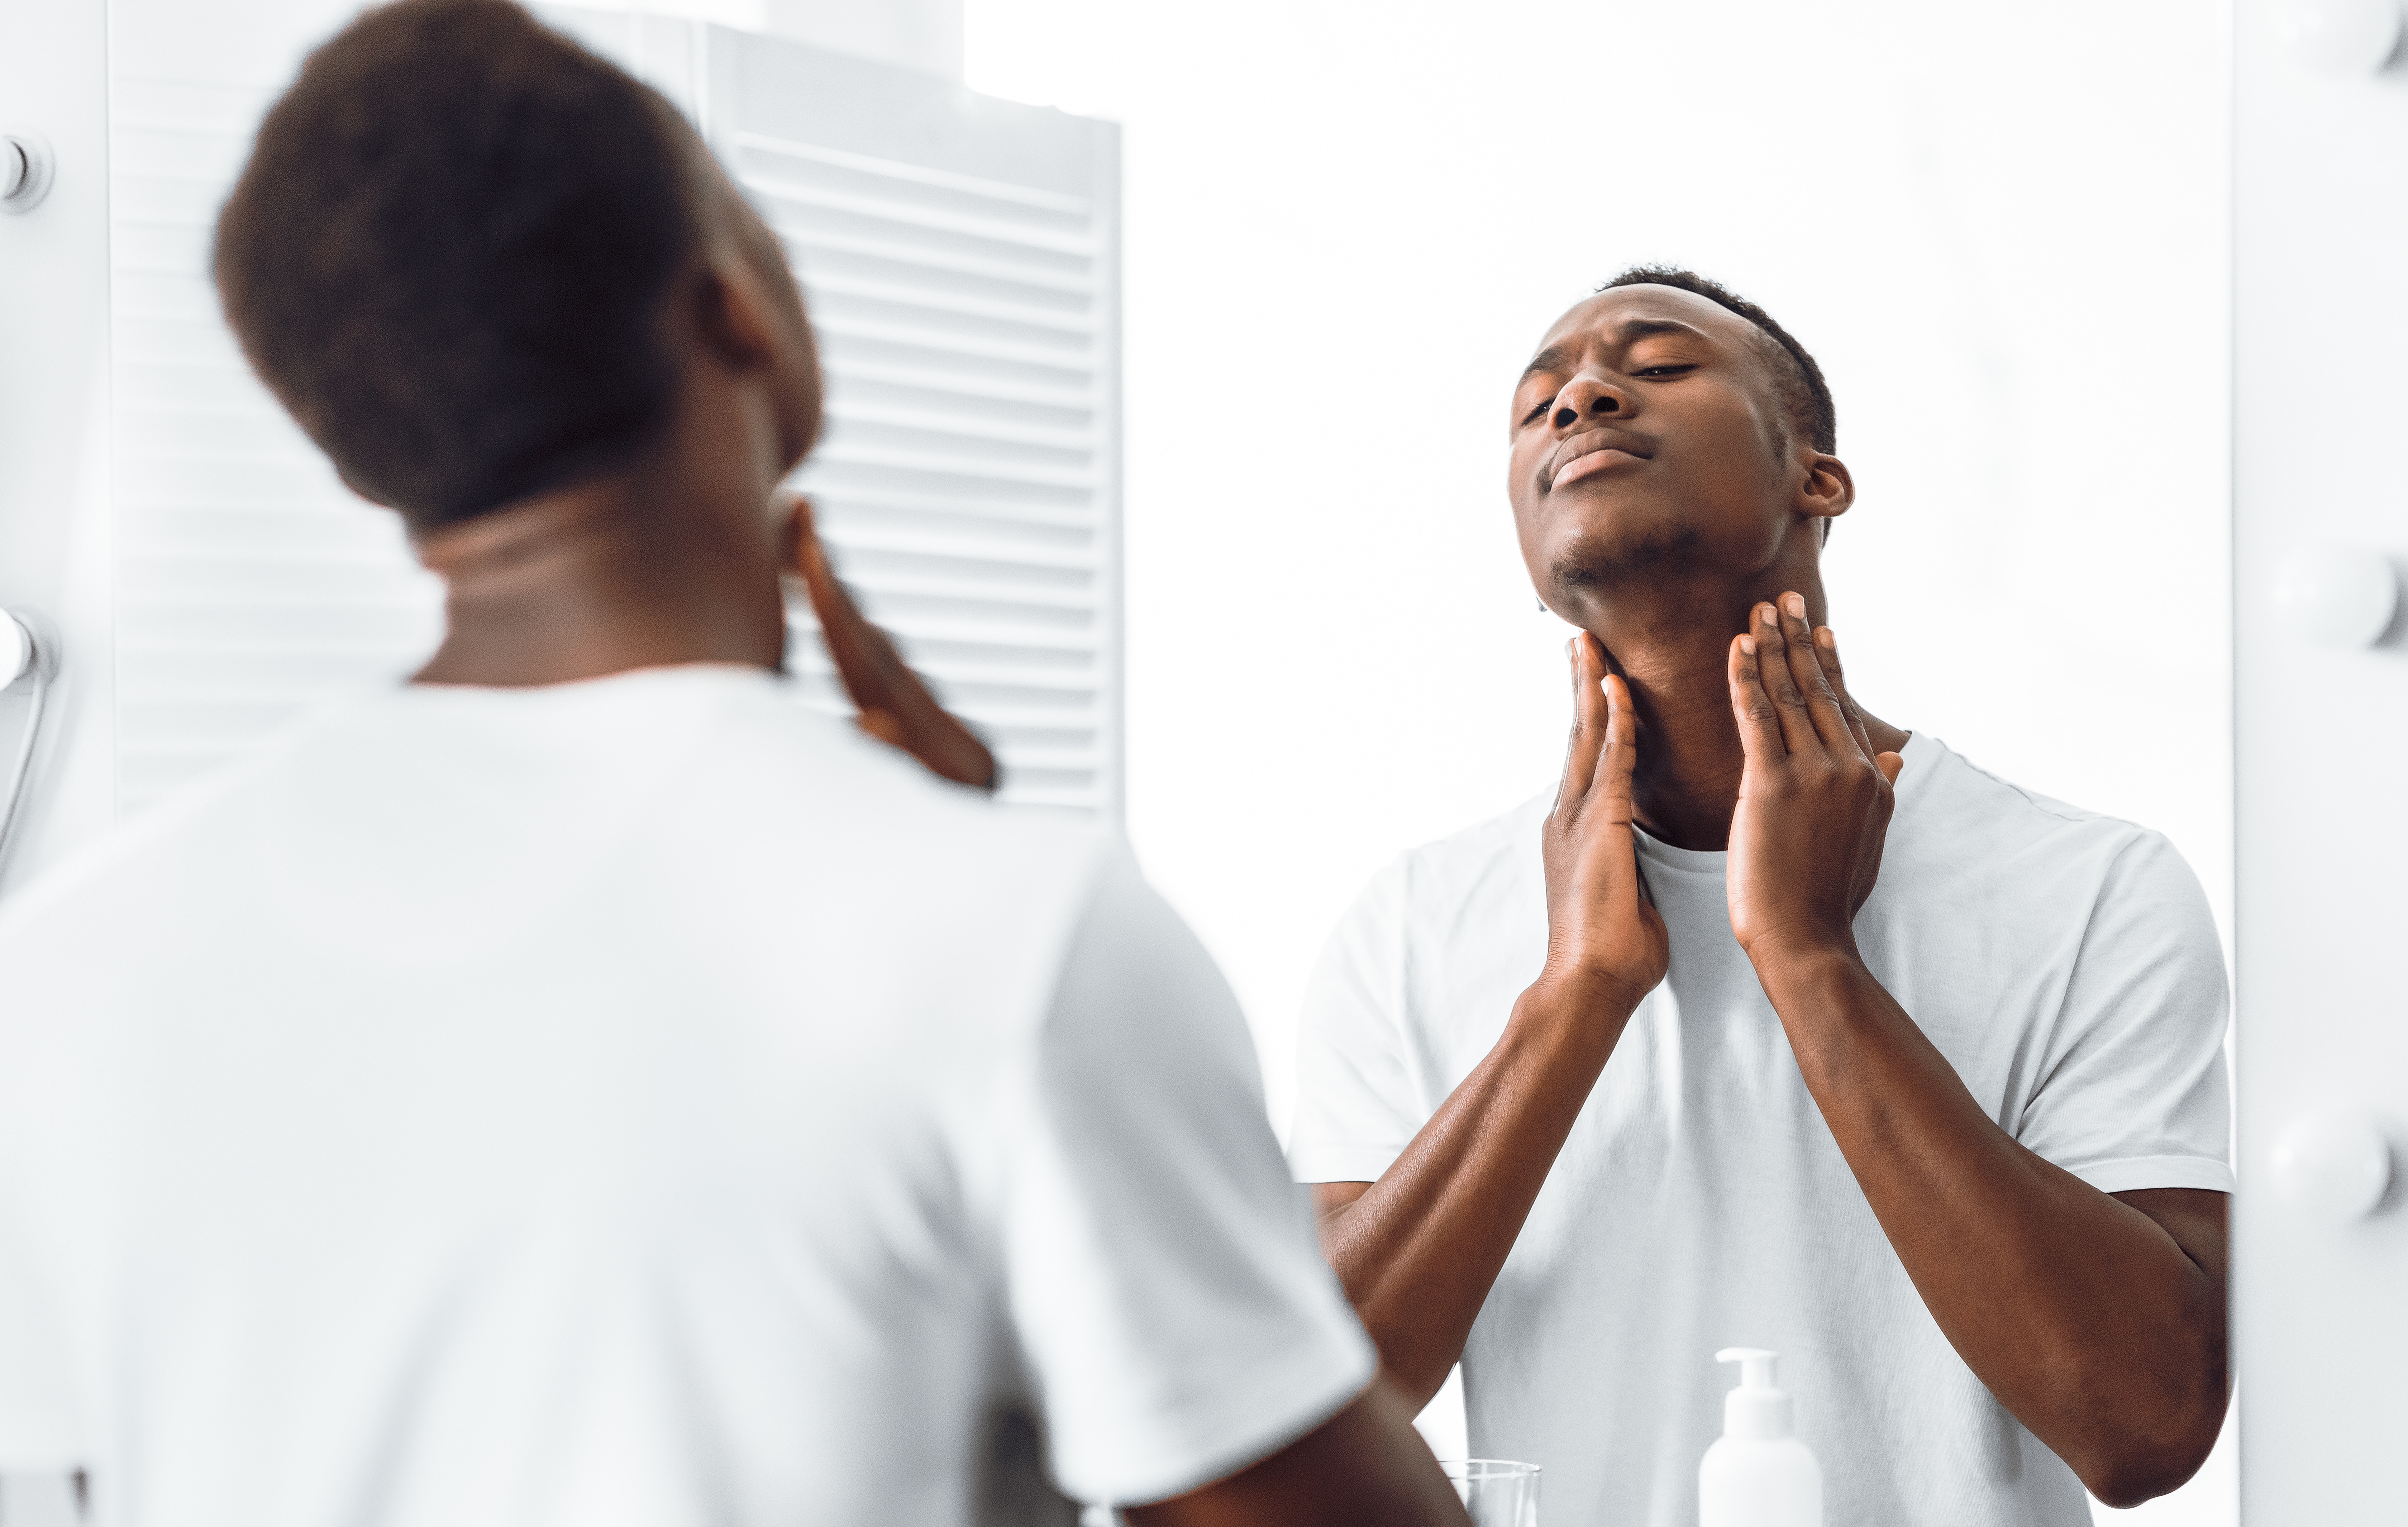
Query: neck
{"points": [[671, 561], [1670, 641]]}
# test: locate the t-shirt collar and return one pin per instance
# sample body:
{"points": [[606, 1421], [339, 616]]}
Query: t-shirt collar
{"points": [[1919, 753]]}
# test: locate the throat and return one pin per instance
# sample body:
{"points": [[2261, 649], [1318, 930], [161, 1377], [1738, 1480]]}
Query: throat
{"points": [[1685, 789]]}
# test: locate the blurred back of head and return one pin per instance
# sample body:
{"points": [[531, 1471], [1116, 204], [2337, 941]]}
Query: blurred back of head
{"points": [[451, 254]]}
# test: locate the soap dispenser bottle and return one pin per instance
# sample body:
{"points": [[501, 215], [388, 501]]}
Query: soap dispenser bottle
{"points": [[1758, 1474]]}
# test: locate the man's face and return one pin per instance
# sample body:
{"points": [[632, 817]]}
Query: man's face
{"points": [[1649, 439]]}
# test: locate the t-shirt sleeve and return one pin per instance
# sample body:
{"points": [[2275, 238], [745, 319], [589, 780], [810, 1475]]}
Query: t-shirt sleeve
{"points": [[1357, 1107], [2135, 1093], [1162, 1274]]}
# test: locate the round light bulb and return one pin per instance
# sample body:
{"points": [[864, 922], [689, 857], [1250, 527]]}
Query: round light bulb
{"points": [[16, 649], [2342, 37], [2335, 1167], [25, 167], [2337, 595]]}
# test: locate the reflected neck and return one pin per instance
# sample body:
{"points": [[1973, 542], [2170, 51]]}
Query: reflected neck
{"points": [[639, 570], [1670, 641]]}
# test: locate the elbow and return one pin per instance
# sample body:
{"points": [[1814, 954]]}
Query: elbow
{"points": [[1411, 1371], [2141, 1468], [2127, 1483], [2150, 1434], [2128, 1486], [1417, 1390], [1414, 1360]]}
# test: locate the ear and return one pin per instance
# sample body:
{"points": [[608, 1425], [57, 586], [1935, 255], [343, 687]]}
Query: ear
{"points": [[732, 315], [1826, 489], [751, 321]]}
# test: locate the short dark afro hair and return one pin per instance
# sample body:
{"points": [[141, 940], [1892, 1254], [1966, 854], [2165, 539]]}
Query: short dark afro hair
{"points": [[452, 251], [1795, 375]]}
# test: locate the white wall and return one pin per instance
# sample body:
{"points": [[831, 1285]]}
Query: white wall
{"points": [[2002, 230]]}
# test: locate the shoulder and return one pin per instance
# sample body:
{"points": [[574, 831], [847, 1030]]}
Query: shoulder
{"points": [[1948, 796], [808, 779], [1466, 882], [1958, 822], [1484, 860]]}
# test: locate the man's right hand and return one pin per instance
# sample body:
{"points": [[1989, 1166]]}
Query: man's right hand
{"points": [[1605, 940], [893, 702], [1419, 1249]]}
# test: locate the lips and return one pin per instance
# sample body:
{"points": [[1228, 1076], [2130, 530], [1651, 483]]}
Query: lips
{"points": [[1592, 451]]}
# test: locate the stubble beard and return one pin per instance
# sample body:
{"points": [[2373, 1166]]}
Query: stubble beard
{"points": [[1598, 563]]}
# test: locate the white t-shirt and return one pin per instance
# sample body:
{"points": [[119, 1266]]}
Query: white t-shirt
{"points": [[2064, 962], [637, 1101]]}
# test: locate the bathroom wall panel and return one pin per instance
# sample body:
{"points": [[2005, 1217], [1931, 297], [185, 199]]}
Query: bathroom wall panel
{"points": [[2321, 320]]}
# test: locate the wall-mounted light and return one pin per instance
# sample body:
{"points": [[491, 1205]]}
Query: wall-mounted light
{"points": [[2337, 595], [26, 166], [16, 650], [2332, 1167], [25, 659], [2341, 37]]}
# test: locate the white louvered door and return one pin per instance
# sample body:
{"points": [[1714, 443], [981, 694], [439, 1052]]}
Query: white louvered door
{"points": [[960, 258]]}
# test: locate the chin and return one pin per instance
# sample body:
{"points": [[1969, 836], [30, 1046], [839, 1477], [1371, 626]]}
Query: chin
{"points": [[1602, 558]]}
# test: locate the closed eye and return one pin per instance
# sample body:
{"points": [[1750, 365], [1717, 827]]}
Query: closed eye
{"points": [[1539, 413], [1671, 368]]}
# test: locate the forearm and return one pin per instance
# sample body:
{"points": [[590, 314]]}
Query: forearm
{"points": [[1418, 1251], [2079, 1312]]}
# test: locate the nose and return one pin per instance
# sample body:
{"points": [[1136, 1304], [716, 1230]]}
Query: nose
{"points": [[1589, 397]]}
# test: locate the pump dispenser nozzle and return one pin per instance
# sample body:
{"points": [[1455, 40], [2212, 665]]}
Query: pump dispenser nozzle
{"points": [[1754, 1365], [1756, 1409], [1758, 1474]]}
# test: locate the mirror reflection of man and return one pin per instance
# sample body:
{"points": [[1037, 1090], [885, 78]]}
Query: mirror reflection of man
{"points": [[1687, 1055], [581, 1086]]}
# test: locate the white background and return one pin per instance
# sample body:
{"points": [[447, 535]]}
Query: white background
{"points": [[2001, 229]]}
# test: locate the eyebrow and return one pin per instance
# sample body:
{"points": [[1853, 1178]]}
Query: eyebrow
{"points": [[1556, 357]]}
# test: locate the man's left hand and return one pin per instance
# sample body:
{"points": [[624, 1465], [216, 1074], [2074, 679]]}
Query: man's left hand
{"points": [[1815, 798]]}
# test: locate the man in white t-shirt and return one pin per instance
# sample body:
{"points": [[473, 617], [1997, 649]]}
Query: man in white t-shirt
{"points": [[1689, 1057], [582, 1087]]}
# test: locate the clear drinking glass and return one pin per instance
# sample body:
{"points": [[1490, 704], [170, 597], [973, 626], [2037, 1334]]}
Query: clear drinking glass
{"points": [[1497, 1492]]}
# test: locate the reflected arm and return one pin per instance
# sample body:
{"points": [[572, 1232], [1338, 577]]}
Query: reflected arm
{"points": [[1364, 1467], [1418, 1250]]}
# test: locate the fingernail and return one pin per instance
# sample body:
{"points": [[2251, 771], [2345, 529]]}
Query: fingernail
{"points": [[1823, 635], [1770, 615], [1747, 645], [1797, 603]]}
